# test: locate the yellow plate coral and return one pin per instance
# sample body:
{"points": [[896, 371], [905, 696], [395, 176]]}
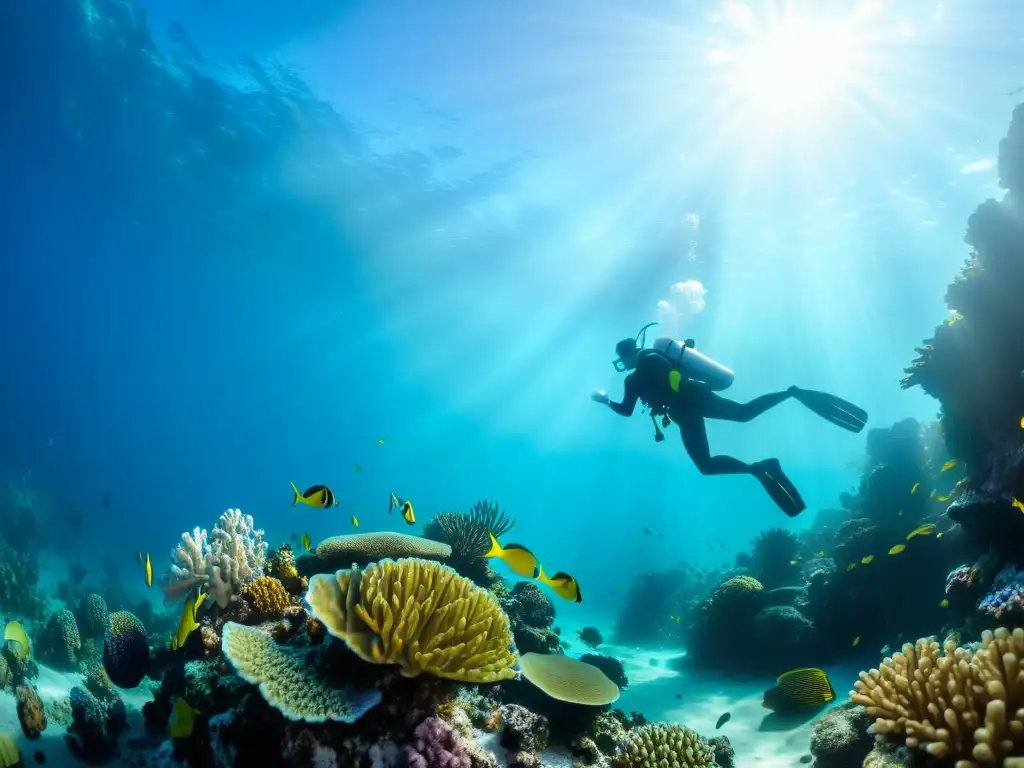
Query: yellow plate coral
{"points": [[418, 614]]}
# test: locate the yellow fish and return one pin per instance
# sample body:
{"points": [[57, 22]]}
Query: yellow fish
{"points": [[149, 571], [521, 560], [182, 720], [355, 521], [564, 585], [850, 567], [187, 624], [944, 499], [923, 530], [1018, 504], [913, 490], [944, 604], [306, 542], [948, 465], [897, 549], [17, 641], [799, 689], [403, 506], [866, 560], [1022, 422], [939, 534], [792, 562], [855, 642], [380, 441], [315, 496], [821, 553]]}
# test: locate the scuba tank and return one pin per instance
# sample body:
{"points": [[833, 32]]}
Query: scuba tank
{"points": [[694, 365]]}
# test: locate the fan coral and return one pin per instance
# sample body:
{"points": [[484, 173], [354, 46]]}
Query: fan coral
{"points": [[567, 679], [59, 642], [367, 547], [288, 682], [437, 745], [662, 744], [418, 614], [227, 560], [470, 534], [949, 702], [125, 650], [95, 617], [268, 595]]}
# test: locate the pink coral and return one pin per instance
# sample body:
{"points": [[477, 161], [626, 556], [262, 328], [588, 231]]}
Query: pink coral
{"points": [[437, 745]]}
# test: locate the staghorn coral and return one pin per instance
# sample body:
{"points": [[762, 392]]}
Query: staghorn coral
{"points": [[418, 614], [268, 595], [368, 547], [125, 650], [664, 745], [952, 703], [287, 682], [226, 560]]}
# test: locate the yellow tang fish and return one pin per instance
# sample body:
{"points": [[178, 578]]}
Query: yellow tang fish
{"points": [[315, 496], [944, 604], [1022, 422], [944, 499], [17, 641], [866, 560], [306, 544], [355, 521], [850, 567], [521, 560], [187, 624], [564, 585], [897, 549], [405, 507], [182, 719], [948, 465], [1018, 504], [923, 530], [913, 490], [856, 642], [149, 571]]}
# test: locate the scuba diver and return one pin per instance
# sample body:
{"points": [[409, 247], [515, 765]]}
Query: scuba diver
{"points": [[678, 383]]}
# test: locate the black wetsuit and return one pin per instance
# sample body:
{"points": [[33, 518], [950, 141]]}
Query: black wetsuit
{"points": [[688, 408]]}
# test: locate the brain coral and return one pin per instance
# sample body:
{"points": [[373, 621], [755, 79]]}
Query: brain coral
{"points": [[268, 595], [287, 682], [953, 704], [377, 546], [736, 586], [125, 650], [662, 745], [418, 614], [96, 616]]}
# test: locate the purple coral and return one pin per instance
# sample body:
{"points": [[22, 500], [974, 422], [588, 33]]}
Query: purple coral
{"points": [[437, 745]]}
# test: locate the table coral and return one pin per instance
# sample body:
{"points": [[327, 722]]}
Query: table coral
{"points": [[226, 560], [287, 681], [952, 703], [418, 614], [367, 547]]}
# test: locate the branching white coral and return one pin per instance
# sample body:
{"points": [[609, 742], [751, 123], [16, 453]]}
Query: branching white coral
{"points": [[225, 561]]}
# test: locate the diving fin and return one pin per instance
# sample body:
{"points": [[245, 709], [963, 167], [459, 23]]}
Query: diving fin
{"points": [[778, 486], [832, 408]]}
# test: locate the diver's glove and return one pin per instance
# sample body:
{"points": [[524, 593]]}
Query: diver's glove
{"points": [[600, 397]]}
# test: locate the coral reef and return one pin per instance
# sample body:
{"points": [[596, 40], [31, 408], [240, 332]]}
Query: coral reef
{"points": [[229, 558], [287, 681], [724, 625], [660, 605], [418, 614], [19, 577], [268, 596], [1004, 601], [125, 650], [773, 553], [951, 703], [31, 713], [437, 745], [95, 617], [365, 548], [59, 642], [95, 727], [590, 637], [530, 613], [840, 738], [611, 667], [662, 744]]}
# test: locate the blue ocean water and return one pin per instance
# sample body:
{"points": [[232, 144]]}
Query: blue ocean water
{"points": [[249, 244]]}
